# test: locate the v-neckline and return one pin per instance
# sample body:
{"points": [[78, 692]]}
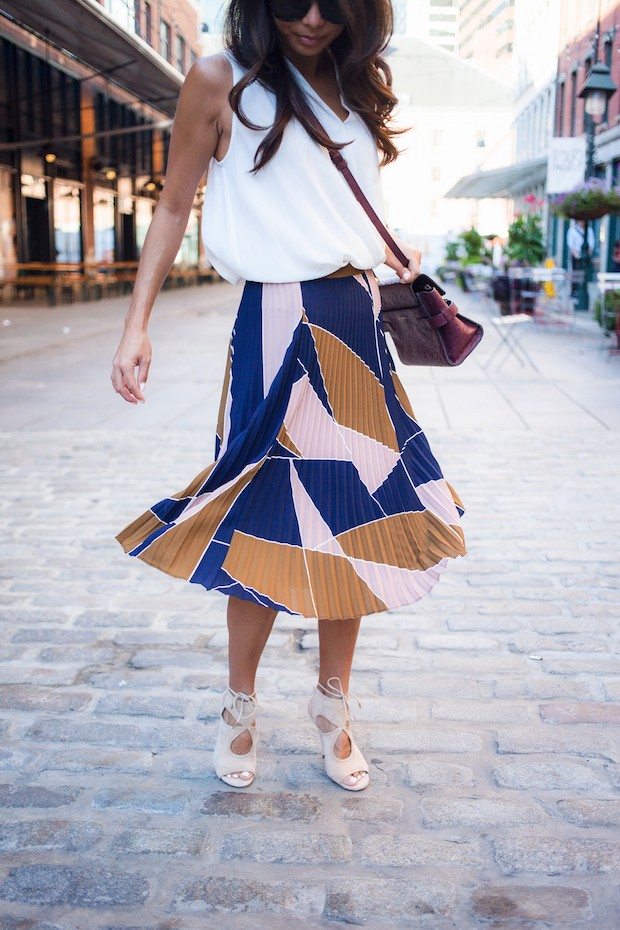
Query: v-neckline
{"points": [[318, 97]]}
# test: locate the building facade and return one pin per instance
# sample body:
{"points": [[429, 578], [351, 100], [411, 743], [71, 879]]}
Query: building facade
{"points": [[458, 117], [581, 44], [433, 21], [87, 98], [486, 35]]}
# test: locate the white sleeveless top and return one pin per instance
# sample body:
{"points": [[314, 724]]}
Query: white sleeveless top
{"points": [[296, 219]]}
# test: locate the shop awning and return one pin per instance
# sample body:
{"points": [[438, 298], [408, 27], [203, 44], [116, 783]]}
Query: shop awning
{"points": [[501, 182], [86, 30]]}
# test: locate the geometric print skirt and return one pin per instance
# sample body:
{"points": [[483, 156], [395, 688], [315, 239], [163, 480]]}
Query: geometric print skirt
{"points": [[324, 498]]}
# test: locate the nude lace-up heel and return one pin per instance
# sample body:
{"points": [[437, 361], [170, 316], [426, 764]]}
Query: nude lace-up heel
{"points": [[242, 708], [333, 705]]}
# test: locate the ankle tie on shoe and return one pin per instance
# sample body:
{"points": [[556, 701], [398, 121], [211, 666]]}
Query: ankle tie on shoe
{"points": [[339, 694], [236, 709]]}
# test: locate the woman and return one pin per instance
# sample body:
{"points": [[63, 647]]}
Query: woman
{"points": [[324, 499]]}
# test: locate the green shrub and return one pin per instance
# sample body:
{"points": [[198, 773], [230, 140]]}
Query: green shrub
{"points": [[612, 305]]}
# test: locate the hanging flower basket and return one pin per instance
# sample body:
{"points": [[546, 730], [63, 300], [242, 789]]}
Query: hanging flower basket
{"points": [[590, 201]]}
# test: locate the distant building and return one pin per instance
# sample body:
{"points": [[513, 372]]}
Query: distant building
{"points": [[486, 35], [434, 21], [459, 118]]}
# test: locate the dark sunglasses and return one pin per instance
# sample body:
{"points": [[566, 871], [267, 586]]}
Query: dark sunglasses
{"points": [[290, 10]]}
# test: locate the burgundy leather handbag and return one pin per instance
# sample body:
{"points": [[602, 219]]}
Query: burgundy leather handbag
{"points": [[426, 328]]}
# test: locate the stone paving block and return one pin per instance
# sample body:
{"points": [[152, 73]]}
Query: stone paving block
{"points": [[550, 776], [160, 841], [177, 737], [397, 684], [27, 675], [421, 740], [132, 762], [188, 765], [238, 895], [455, 640], [66, 655], [134, 705], [500, 623], [406, 850], [478, 666], [477, 710], [121, 619], [286, 847], [15, 760], [24, 923], [589, 813], [556, 856], [573, 742], [541, 689], [54, 636], [612, 690], [441, 774], [443, 812], [61, 835], [149, 658], [580, 713], [27, 615], [613, 772], [382, 710], [59, 730], [37, 701], [354, 900], [295, 739], [128, 678], [594, 664], [58, 884], [37, 796], [553, 903], [373, 809], [280, 806], [146, 800]]}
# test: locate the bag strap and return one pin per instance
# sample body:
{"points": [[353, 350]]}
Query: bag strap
{"points": [[341, 164]]}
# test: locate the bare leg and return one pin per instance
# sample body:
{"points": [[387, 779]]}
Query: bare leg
{"points": [[337, 639], [249, 626]]}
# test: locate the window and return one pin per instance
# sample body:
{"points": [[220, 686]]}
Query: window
{"points": [[437, 133], [440, 32], [148, 23], [136, 17], [442, 18], [481, 138], [165, 40], [180, 53], [560, 105], [435, 173], [573, 101]]}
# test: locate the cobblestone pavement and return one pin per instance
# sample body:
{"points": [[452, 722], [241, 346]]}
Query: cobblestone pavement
{"points": [[489, 711]]}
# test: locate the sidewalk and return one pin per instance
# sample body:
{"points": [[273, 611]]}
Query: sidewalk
{"points": [[490, 710]]}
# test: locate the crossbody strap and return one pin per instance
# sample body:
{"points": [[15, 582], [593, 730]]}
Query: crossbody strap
{"points": [[341, 164]]}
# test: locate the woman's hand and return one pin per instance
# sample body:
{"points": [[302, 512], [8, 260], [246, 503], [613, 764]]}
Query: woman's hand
{"points": [[134, 352], [412, 270]]}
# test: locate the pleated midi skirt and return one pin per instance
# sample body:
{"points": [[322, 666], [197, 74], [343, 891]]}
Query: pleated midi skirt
{"points": [[324, 498]]}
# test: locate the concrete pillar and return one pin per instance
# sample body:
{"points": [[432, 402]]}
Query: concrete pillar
{"points": [[87, 125]]}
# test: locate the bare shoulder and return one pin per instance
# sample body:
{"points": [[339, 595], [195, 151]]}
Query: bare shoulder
{"points": [[212, 74]]}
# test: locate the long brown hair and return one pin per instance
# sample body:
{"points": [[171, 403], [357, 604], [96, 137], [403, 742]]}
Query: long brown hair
{"points": [[365, 78]]}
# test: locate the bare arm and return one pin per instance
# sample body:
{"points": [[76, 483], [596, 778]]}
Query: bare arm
{"points": [[202, 120]]}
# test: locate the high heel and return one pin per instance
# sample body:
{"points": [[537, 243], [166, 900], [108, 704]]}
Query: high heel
{"points": [[242, 707], [333, 705]]}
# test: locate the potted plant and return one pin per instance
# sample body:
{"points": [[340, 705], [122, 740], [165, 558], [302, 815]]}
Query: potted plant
{"points": [[589, 201], [610, 302], [525, 244]]}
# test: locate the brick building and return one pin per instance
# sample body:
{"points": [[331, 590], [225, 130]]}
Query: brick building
{"points": [[88, 91]]}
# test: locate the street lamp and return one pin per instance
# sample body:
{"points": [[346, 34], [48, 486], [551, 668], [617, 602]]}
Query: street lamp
{"points": [[596, 91]]}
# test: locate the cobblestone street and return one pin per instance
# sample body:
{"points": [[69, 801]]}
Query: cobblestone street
{"points": [[490, 710]]}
